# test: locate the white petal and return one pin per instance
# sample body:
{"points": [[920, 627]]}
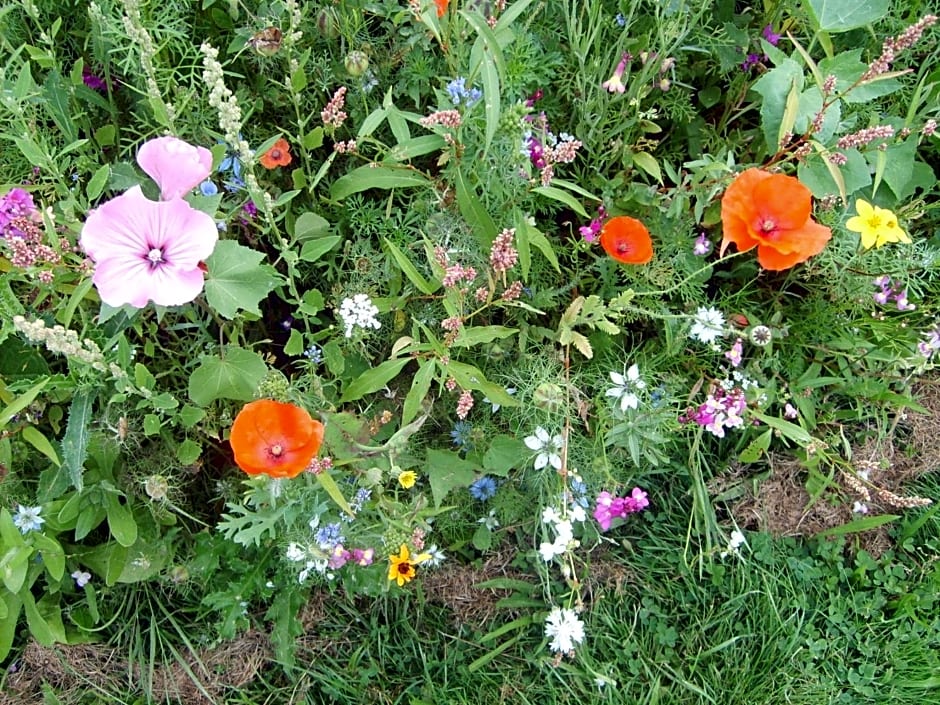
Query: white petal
{"points": [[541, 434], [615, 392], [629, 401], [633, 374], [533, 443], [541, 460], [618, 379], [555, 460]]}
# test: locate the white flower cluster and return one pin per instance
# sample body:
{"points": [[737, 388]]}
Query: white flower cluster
{"points": [[358, 312], [62, 341], [312, 561], [565, 629], [734, 544], [564, 531]]}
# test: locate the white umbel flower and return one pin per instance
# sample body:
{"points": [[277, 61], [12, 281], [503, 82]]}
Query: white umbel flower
{"points": [[565, 629], [358, 312], [547, 447], [709, 325], [626, 387]]}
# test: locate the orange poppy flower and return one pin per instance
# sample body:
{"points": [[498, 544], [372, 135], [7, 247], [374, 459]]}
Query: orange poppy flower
{"points": [[274, 439], [278, 155], [441, 7], [772, 213], [627, 240]]}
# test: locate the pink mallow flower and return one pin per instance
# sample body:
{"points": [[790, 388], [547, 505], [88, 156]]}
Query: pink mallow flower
{"points": [[148, 251], [177, 166], [609, 507]]}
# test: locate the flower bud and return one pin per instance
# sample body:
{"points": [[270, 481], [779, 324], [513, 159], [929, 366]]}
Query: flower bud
{"points": [[357, 63], [328, 23]]}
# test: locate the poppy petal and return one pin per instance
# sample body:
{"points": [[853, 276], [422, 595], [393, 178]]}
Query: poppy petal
{"points": [[261, 425], [812, 239], [627, 240], [782, 200], [738, 211]]}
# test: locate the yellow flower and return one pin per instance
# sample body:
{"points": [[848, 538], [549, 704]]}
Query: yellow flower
{"points": [[401, 568], [407, 479], [877, 226]]}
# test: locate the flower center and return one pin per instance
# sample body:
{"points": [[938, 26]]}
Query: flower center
{"points": [[768, 226], [275, 153], [277, 450], [404, 567], [155, 256], [874, 222], [622, 248]]}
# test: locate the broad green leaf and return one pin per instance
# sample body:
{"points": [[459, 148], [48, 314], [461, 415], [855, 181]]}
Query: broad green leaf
{"points": [[190, 415], [647, 162], [843, 15], [789, 430], [756, 448], [533, 236], [97, 182], [379, 177], [447, 471], [373, 380], [39, 629], [417, 147], [371, 123], [234, 376], [14, 564], [121, 521], [409, 270], [237, 279], [53, 557], [476, 335], [77, 433], [8, 623], [504, 454], [188, 452], [774, 87], [313, 250], [469, 377], [310, 225], [38, 441]]}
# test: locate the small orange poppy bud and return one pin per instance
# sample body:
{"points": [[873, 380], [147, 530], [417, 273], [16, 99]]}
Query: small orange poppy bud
{"points": [[627, 240], [275, 439]]}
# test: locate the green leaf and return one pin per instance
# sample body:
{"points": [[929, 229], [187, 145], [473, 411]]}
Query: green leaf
{"points": [[482, 538], [190, 415], [96, 183], [469, 377], [8, 624], [53, 557], [647, 162], [380, 177], [234, 376], [38, 441], [504, 454], [21, 402], [447, 471], [898, 160], [336, 494], [188, 452], [236, 279], [843, 15], [121, 522], [14, 565], [863, 524], [756, 448], [77, 433], [476, 335], [789, 430], [313, 250], [310, 225], [314, 138], [409, 270], [563, 197], [373, 380], [473, 211], [775, 87], [533, 236], [420, 386]]}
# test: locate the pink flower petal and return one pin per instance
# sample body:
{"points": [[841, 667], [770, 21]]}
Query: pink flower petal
{"points": [[175, 165], [123, 236]]}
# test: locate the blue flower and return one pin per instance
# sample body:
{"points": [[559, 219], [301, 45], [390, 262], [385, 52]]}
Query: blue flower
{"points": [[329, 536], [208, 188], [27, 519], [461, 435], [459, 93], [483, 488], [314, 353], [579, 492]]}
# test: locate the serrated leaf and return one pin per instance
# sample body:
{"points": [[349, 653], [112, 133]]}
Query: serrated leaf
{"points": [[77, 433], [236, 279], [188, 452], [504, 454], [234, 376]]}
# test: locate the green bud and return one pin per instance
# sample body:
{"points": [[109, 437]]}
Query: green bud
{"points": [[357, 63], [549, 396]]}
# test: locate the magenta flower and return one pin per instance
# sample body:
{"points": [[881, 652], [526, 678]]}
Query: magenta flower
{"points": [[615, 84], [609, 507], [147, 250], [176, 166]]}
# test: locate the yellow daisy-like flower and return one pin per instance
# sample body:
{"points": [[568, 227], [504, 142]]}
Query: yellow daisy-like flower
{"points": [[407, 479], [402, 567], [877, 226]]}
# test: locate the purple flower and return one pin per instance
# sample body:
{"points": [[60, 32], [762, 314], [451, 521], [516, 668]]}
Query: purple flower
{"points": [[750, 62], [769, 34], [147, 250], [15, 203], [702, 246], [96, 83]]}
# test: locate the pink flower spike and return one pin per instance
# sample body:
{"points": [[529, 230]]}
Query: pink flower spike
{"points": [[175, 165], [147, 250]]}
